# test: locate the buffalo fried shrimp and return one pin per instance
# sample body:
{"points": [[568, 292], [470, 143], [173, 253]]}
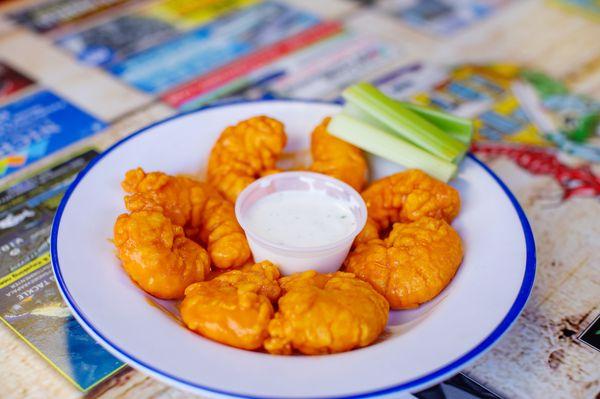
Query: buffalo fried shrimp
{"points": [[156, 254], [245, 152], [337, 158], [222, 234], [197, 207], [412, 265], [234, 308], [179, 198], [409, 195], [320, 314], [260, 277]]}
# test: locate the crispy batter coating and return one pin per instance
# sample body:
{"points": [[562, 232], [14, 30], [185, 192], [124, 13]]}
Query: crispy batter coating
{"points": [[304, 279], [181, 199], [368, 233], [412, 265], [322, 314], [261, 278], [156, 254], [234, 308], [408, 196], [220, 231], [337, 158], [196, 206], [245, 152]]}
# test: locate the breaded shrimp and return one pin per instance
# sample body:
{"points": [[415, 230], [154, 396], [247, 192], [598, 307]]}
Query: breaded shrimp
{"points": [[221, 233], [320, 314], [408, 196], [156, 254], [181, 199], [197, 207], [245, 152], [234, 308], [260, 277], [405, 197], [337, 158], [304, 279], [412, 265]]}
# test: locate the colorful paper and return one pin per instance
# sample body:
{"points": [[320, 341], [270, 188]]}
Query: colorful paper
{"points": [[191, 13], [587, 8], [250, 72], [212, 45], [441, 17], [46, 16], [12, 81], [315, 72], [37, 125], [115, 39], [30, 303]]}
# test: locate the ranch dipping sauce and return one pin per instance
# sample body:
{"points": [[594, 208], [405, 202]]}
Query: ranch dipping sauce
{"points": [[303, 219], [300, 220]]}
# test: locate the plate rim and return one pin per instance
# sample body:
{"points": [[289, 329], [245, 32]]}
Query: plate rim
{"points": [[455, 365]]}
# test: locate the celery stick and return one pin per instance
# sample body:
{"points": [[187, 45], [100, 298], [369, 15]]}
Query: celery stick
{"points": [[403, 122], [357, 113], [459, 128], [388, 146]]}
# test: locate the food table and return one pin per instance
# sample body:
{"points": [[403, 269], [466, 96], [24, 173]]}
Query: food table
{"points": [[543, 355]]}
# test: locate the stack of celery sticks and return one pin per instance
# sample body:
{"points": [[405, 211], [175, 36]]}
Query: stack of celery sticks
{"points": [[405, 133]]}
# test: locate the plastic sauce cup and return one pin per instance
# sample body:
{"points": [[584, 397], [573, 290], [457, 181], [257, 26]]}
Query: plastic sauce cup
{"points": [[324, 258]]}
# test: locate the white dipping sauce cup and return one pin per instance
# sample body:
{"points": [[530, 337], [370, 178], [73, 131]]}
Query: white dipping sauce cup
{"points": [[325, 258]]}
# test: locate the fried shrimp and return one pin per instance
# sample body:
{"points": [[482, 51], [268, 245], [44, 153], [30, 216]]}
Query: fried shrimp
{"points": [[234, 308], [260, 277], [181, 199], [245, 152], [337, 158], [156, 254], [320, 314], [197, 207], [412, 265], [408, 196], [222, 234]]}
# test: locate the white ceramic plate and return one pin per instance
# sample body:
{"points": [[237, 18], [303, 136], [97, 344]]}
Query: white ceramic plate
{"points": [[420, 348]]}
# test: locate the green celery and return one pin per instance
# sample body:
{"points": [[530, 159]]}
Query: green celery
{"points": [[404, 122], [459, 128], [354, 111], [388, 146]]}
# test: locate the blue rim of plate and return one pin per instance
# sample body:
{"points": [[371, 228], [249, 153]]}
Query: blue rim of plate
{"points": [[514, 311]]}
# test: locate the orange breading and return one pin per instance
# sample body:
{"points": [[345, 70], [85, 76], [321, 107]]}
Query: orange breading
{"points": [[369, 232], [179, 198], [326, 314], [234, 308], [156, 254], [261, 278], [412, 265], [245, 152], [195, 206], [224, 238], [337, 158], [408, 196], [304, 279]]}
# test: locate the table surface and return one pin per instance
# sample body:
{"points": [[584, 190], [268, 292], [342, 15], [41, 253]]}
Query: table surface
{"points": [[538, 358]]}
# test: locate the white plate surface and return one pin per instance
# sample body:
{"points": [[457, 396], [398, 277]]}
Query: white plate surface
{"points": [[421, 347]]}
